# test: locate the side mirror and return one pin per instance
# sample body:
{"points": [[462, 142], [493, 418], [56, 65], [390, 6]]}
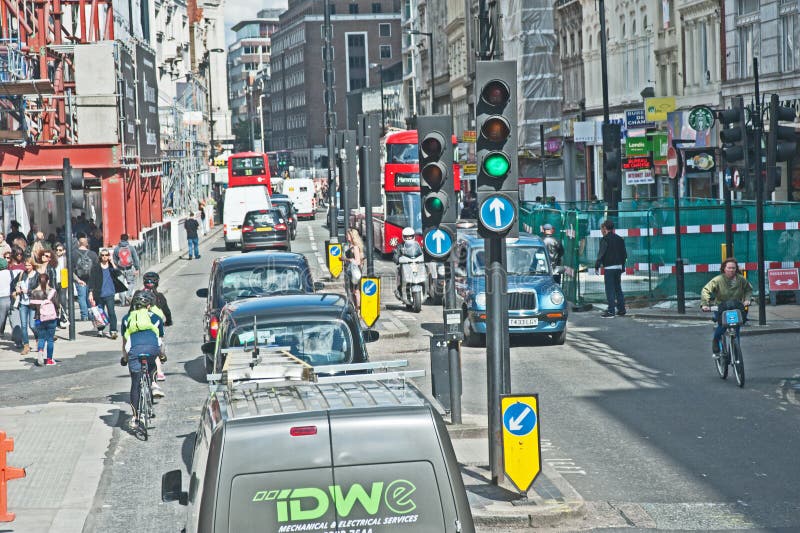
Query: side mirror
{"points": [[371, 335], [202, 293], [171, 488], [208, 347], [319, 286]]}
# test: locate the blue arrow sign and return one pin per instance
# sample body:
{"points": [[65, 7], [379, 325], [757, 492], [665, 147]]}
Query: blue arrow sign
{"points": [[438, 243], [519, 419], [370, 287], [335, 251], [497, 213]]}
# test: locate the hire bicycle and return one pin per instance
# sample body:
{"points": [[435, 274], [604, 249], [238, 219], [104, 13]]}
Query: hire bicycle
{"points": [[144, 411], [730, 348]]}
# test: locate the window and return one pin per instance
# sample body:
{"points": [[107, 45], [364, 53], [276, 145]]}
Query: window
{"points": [[356, 61], [386, 51], [746, 51], [787, 42], [385, 30], [747, 6], [376, 7], [332, 9], [352, 9]]}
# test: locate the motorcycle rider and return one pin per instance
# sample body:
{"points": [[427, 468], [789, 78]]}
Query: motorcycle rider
{"points": [[408, 248]]}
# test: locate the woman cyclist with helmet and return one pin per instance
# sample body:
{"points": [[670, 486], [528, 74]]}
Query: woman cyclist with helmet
{"points": [[142, 331]]}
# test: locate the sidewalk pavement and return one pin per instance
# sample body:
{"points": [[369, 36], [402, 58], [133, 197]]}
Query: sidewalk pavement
{"points": [[388, 325], [550, 500], [62, 445], [780, 318]]}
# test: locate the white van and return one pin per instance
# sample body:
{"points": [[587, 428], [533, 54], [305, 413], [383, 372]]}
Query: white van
{"points": [[238, 201], [301, 192]]}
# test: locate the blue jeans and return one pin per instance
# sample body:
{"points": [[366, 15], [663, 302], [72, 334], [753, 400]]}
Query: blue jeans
{"points": [[83, 300], [193, 245], [47, 334], [614, 296], [25, 315]]}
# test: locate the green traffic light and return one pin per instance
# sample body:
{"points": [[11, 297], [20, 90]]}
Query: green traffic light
{"points": [[496, 165], [434, 205]]}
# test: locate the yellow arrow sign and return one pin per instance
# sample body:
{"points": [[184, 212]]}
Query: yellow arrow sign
{"points": [[370, 300], [335, 258], [522, 452]]}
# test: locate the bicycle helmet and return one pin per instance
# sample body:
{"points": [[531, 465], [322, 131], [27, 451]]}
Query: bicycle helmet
{"points": [[151, 278], [143, 299]]}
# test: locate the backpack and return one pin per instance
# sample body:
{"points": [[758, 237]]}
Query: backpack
{"points": [[125, 257], [47, 309], [83, 266]]}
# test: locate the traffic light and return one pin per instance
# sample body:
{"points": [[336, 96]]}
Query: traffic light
{"points": [[781, 141], [496, 147], [436, 186], [734, 135], [612, 152], [76, 182]]}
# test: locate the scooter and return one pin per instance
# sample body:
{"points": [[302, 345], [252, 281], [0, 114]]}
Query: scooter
{"points": [[413, 274]]}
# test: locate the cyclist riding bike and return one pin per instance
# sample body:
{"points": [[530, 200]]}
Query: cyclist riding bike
{"points": [[142, 332], [161, 308], [729, 290]]}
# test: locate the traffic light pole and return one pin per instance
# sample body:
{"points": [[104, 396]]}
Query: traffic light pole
{"points": [[66, 177], [544, 166], [496, 331], [329, 123], [759, 183], [680, 278], [368, 222], [453, 346]]}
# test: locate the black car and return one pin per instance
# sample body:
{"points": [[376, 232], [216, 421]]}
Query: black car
{"points": [[265, 228], [320, 329], [251, 276], [282, 202]]}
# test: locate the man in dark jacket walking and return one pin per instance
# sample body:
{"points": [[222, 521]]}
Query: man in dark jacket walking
{"points": [[612, 257]]}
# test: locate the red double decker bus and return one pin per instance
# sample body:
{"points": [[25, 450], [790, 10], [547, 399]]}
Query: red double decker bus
{"points": [[401, 200], [249, 168]]}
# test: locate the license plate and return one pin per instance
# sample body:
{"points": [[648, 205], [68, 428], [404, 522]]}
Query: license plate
{"points": [[263, 229], [523, 321]]}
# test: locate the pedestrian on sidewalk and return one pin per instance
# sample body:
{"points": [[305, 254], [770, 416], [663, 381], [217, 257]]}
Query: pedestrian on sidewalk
{"points": [[127, 260], [5, 295], [45, 301], [612, 257], [61, 268], [15, 233], [104, 289], [26, 283], [17, 261], [191, 225], [354, 266], [4, 246], [84, 262], [553, 245]]}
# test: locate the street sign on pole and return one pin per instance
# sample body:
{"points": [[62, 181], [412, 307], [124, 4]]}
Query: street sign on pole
{"points": [[673, 163], [335, 258], [522, 450], [438, 243], [497, 213], [783, 279], [370, 300]]}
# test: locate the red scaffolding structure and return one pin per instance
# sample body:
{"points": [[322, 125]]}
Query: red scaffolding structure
{"points": [[38, 128]]}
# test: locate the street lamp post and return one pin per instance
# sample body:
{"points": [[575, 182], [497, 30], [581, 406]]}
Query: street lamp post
{"points": [[383, 110], [429, 35], [261, 120]]}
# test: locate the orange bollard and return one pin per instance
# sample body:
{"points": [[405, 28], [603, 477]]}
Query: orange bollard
{"points": [[7, 473]]}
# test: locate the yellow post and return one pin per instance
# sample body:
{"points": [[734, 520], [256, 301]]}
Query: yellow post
{"points": [[724, 250]]}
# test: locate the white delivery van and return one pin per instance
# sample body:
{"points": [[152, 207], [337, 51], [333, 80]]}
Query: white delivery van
{"points": [[301, 192], [238, 201]]}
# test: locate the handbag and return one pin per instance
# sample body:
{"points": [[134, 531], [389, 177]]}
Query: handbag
{"points": [[120, 283], [99, 317]]}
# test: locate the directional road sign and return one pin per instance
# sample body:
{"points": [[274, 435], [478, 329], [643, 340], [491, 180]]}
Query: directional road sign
{"points": [[783, 279], [370, 300], [522, 451], [335, 258], [497, 213], [438, 243]]}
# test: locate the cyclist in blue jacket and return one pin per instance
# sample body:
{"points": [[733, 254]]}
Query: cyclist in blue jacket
{"points": [[142, 333]]}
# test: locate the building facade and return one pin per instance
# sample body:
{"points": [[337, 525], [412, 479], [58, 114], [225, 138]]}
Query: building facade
{"points": [[366, 36]]}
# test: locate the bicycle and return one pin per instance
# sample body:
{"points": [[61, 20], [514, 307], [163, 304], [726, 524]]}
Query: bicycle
{"points": [[730, 348], [144, 411]]}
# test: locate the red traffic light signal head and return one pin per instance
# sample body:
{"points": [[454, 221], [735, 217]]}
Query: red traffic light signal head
{"points": [[496, 93], [496, 129], [434, 175], [432, 145]]}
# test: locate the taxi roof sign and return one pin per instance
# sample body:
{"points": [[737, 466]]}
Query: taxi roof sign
{"points": [[522, 453]]}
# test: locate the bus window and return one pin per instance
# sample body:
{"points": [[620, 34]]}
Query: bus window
{"points": [[402, 153], [247, 166]]}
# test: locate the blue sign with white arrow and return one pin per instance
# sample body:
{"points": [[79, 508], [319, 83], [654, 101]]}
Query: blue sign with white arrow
{"points": [[519, 419], [497, 213], [335, 251], [438, 243], [370, 287]]}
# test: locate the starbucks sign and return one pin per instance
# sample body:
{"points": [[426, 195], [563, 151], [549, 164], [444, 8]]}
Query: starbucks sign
{"points": [[701, 118]]}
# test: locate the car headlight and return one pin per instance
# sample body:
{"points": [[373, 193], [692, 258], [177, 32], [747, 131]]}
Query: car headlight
{"points": [[557, 297], [440, 269], [480, 299]]}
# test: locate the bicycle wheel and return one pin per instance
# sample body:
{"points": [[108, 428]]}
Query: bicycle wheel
{"points": [[721, 361], [144, 406], [738, 361]]}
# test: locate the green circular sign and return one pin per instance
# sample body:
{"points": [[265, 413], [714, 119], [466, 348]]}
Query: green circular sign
{"points": [[701, 118]]}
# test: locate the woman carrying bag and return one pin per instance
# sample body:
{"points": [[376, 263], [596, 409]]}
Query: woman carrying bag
{"points": [[45, 299], [105, 285], [26, 283]]}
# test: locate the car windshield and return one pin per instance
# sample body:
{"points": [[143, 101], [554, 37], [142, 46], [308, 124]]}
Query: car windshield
{"points": [[521, 261], [261, 219], [318, 342], [283, 208], [260, 281]]}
